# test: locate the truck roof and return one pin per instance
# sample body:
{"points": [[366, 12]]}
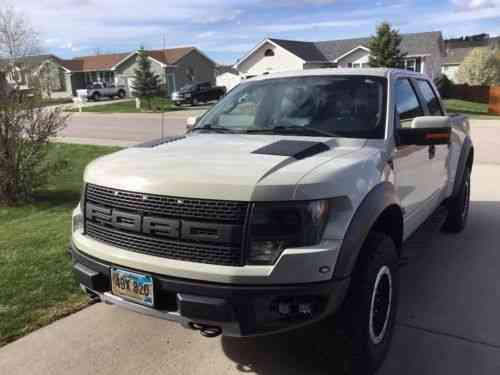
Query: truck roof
{"points": [[376, 72]]}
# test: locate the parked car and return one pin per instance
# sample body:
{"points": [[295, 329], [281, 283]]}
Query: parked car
{"points": [[198, 93], [289, 201], [98, 90]]}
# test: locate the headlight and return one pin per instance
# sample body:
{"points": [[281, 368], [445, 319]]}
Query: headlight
{"points": [[277, 226]]}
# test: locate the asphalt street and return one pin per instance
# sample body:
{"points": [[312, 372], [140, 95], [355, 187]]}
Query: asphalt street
{"points": [[124, 129], [448, 321]]}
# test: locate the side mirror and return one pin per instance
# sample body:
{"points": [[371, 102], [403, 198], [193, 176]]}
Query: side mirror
{"points": [[425, 131], [191, 122]]}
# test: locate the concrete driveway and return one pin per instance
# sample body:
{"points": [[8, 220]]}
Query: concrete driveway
{"points": [[448, 321]]}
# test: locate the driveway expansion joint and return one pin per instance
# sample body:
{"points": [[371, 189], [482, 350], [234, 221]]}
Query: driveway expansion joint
{"points": [[449, 335]]}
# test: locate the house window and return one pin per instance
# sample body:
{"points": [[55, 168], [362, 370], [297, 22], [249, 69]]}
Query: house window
{"points": [[269, 52], [411, 64]]}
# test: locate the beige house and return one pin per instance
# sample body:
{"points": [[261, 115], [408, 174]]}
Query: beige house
{"points": [[424, 53]]}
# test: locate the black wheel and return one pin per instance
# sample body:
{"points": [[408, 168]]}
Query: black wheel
{"points": [[121, 94], [373, 303], [458, 207], [96, 96]]}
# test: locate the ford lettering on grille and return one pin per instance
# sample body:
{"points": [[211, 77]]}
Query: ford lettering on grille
{"points": [[179, 228]]}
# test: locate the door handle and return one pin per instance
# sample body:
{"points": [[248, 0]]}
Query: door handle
{"points": [[432, 151]]}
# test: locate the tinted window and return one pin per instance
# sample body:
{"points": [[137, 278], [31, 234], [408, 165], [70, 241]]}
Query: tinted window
{"points": [[407, 103], [346, 106], [430, 98]]}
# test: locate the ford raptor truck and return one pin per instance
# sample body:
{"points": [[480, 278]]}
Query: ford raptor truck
{"points": [[287, 202]]}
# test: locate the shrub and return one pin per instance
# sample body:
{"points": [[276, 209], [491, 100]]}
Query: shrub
{"points": [[480, 68], [444, 86], [25, 130]]}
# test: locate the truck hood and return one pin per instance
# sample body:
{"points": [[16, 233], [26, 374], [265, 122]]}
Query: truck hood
{"points": [[216, 166]]}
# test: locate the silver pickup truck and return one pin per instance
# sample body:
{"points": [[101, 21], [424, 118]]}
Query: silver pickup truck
{"points": [[98, 90], [287, 202]]}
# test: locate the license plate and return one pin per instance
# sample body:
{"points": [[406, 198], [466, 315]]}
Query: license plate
{"points": [[132, 286]]}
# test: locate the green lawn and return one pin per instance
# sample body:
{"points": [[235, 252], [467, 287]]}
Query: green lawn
{"points": [[49, 102], [157, 105], [36, 282], [468, 108]]}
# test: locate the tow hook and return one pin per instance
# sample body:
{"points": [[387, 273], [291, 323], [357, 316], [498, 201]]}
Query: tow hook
{"points": [[206, 331]]}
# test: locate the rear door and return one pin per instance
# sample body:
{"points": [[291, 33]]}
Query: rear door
{"points": [[439, 153], [414, 184]]}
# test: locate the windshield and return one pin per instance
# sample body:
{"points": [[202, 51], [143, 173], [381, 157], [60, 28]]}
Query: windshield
{"points": [[344, 106]]}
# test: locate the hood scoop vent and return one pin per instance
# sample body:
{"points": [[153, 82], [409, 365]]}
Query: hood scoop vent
{"points": [[159, 142], [295, 149]]}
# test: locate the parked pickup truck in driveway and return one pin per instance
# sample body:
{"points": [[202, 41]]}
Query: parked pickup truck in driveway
{"points": [[289, 201], [99, 90], [198, 93]]}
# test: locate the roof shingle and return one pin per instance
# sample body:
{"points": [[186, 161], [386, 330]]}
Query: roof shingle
{"points": [[411, 44], [307, 51], [107, 62]]}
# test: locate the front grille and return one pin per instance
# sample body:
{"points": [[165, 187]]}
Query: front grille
{"points": [[192, 252], [204, 209], [199, 245]]}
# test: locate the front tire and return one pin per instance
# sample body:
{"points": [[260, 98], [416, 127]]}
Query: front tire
{"points": [[458, 207], [96, 97], [121, 94], [373, 303]]}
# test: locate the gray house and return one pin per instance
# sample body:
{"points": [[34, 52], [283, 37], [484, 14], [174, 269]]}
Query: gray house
{"points": [[424, 54], [176, 67]]}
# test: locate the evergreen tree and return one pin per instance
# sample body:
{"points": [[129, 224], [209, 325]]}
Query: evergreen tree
{"points": [[384, 48], [146, 83]]}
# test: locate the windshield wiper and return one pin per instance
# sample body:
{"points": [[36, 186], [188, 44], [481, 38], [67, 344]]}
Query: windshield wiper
{"points": [[216, 129], [299, 130]]}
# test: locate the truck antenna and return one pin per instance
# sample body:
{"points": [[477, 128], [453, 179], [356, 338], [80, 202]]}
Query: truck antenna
{"points": [[162, 109]]}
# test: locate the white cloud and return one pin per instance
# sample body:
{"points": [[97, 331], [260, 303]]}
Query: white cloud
{"points": [[475, 4], [299, 26], [206, 34]]}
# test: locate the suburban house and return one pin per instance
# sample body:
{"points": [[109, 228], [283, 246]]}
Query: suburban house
{"points": [[21, 75], [424, 53], [458, 50], [176, 67]]}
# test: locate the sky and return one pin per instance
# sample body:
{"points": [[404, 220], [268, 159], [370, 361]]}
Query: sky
{"points": [[226, 29]]}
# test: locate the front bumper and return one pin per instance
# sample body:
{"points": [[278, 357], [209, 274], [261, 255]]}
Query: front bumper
{"points": [[238, 310]]}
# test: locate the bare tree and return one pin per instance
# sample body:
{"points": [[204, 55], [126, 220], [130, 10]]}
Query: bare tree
{"points": [[18, 38], [25, 125]]}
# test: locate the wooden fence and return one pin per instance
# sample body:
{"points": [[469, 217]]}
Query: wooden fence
{"points": [[479, 94]]}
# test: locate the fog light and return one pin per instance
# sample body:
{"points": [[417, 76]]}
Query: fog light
{"points": [[284, 308], [305, 309]]}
